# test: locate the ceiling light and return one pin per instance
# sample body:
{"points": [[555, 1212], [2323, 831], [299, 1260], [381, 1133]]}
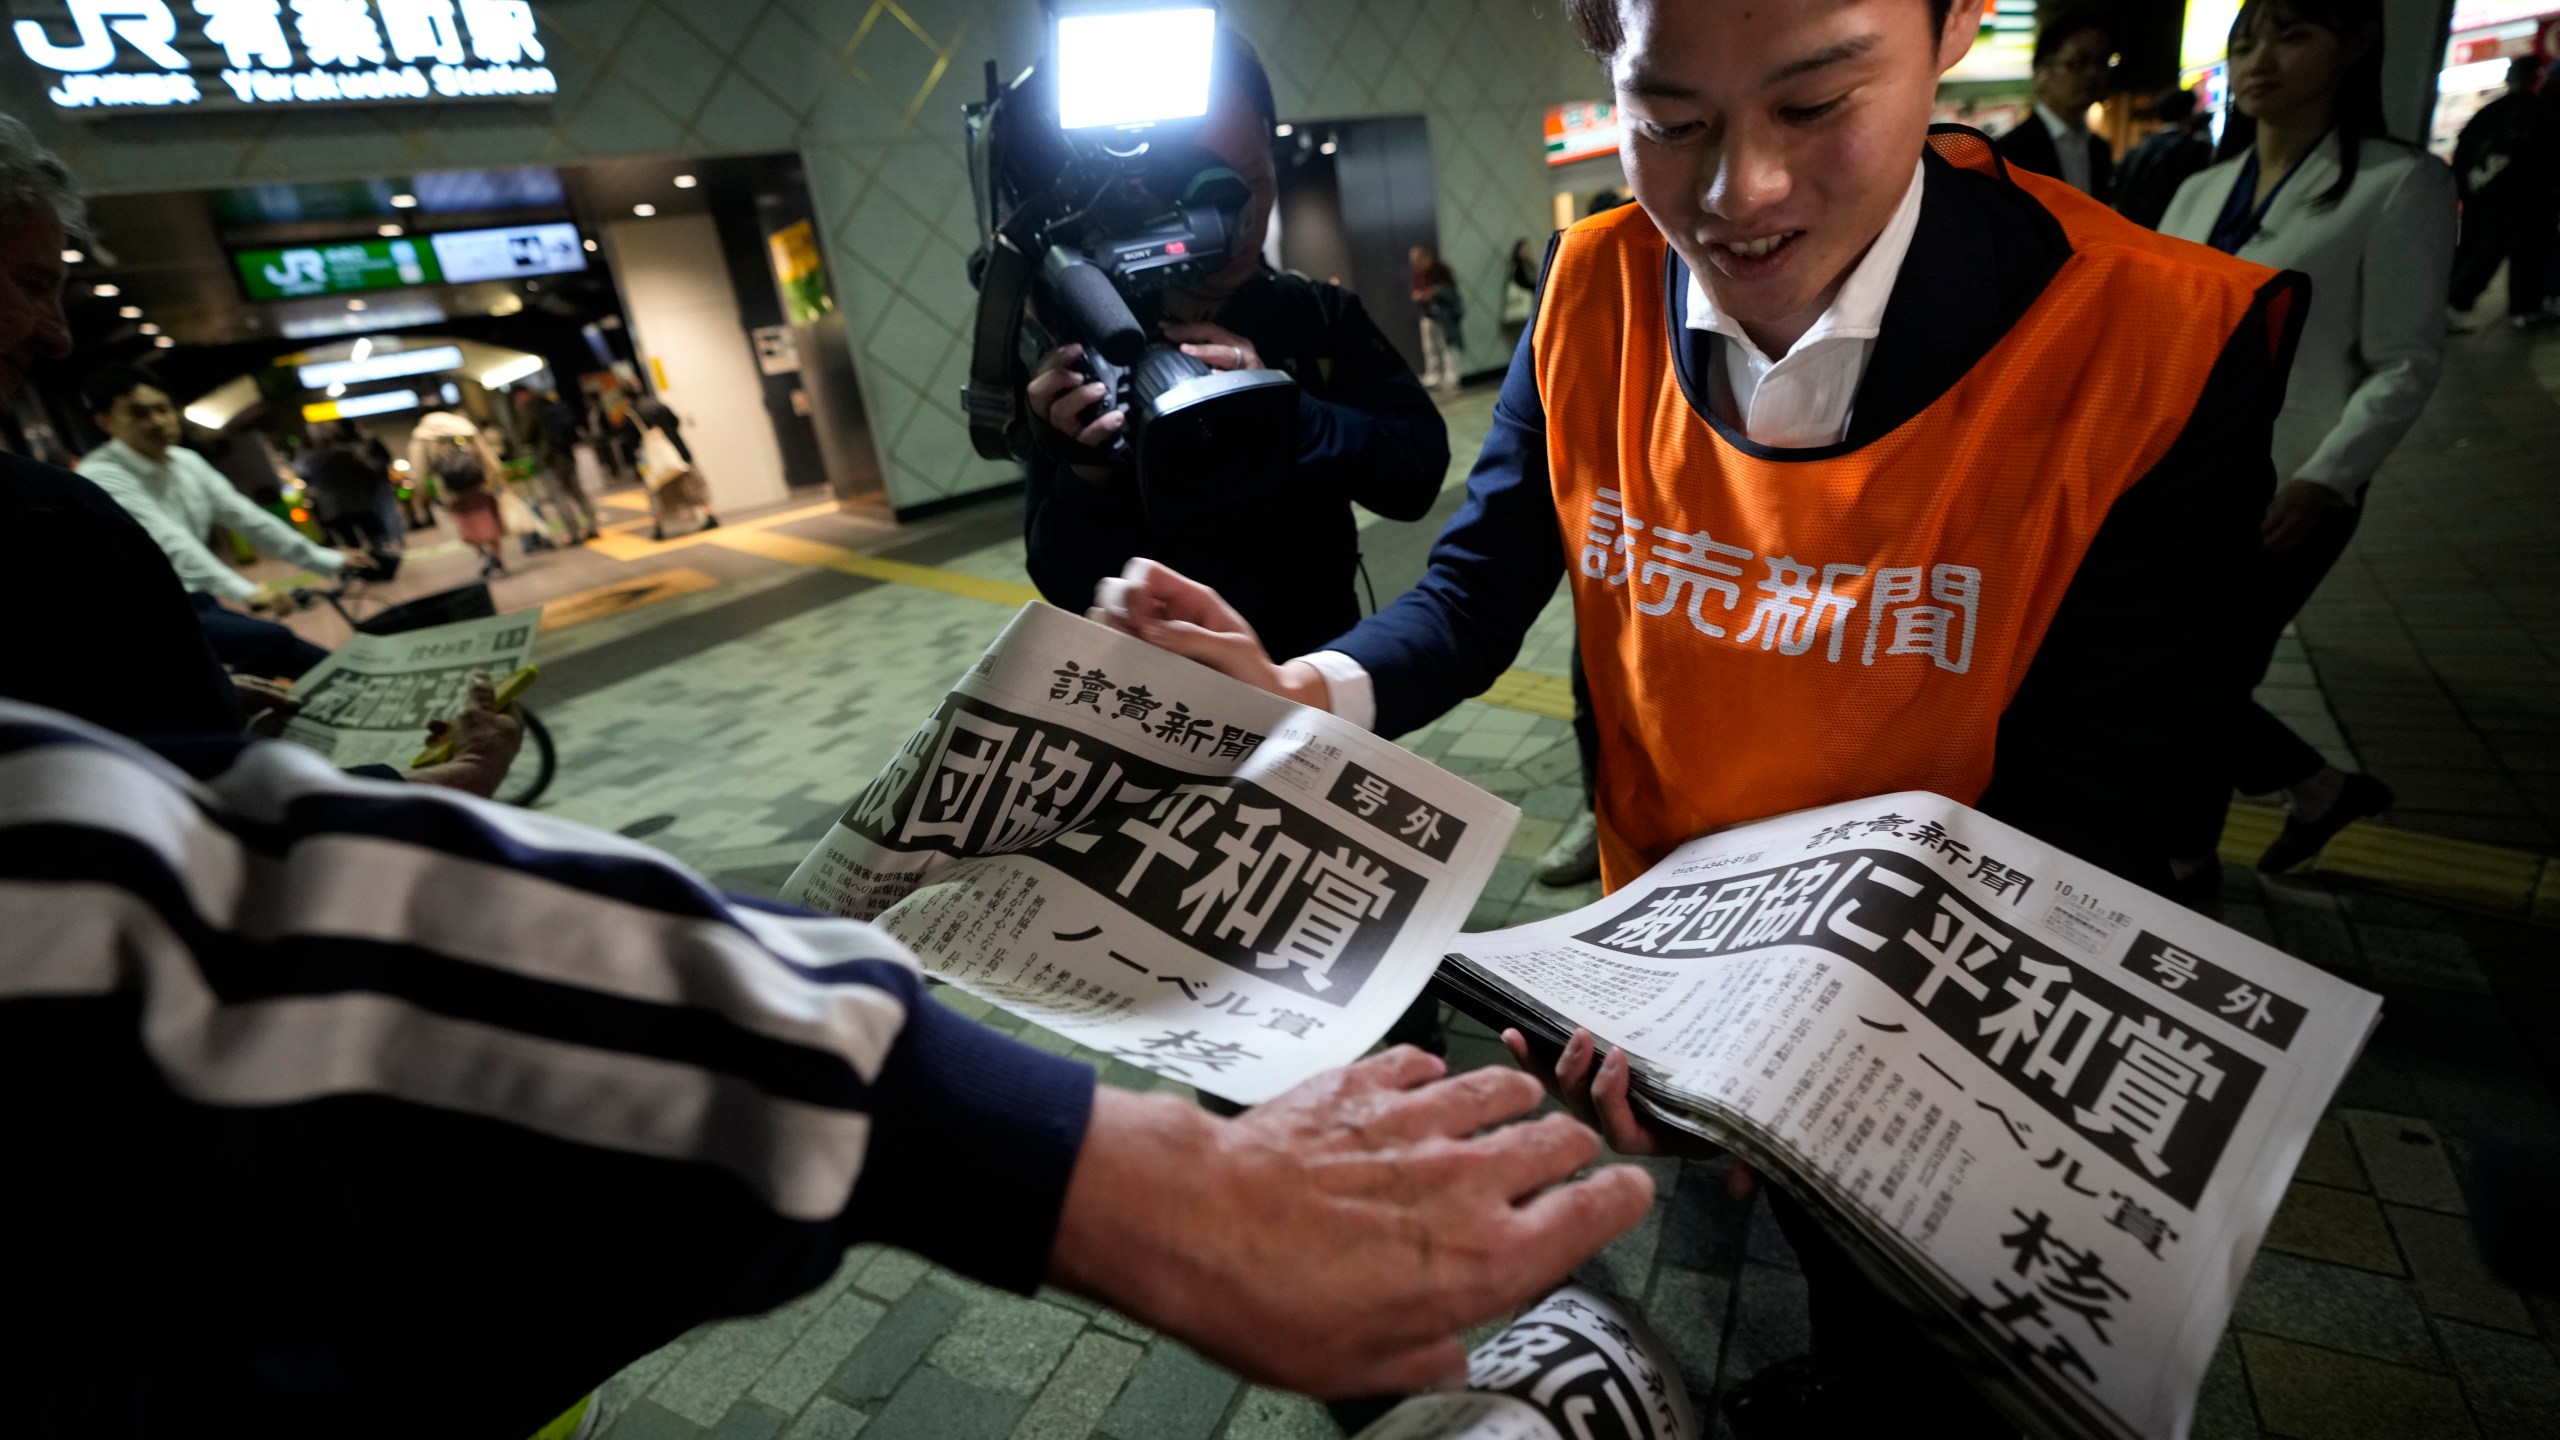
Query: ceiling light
{"points": [[72, 257], [360, 349], [591, 244], [1328, 147], [337, 388], [386, 231], [686, 182], [150, 329], [404, 202], [1284, 131], [131, 312], [106, 290], [644, 209], [355, 304], [164, 342]]}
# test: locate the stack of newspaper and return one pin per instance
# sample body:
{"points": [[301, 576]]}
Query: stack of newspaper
{"points": [[2050, 1112]]}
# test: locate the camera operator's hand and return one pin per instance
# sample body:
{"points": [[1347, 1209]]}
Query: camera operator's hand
{"points": [[1215, 346], [1060, 393], [1173, 612]]}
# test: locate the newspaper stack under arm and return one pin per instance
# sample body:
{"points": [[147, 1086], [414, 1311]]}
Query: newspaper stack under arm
{"points": [[2050, 1112], [1162, 863]]}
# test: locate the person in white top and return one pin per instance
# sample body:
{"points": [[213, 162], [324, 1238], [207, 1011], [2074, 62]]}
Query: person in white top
{"points": [[2314, 184], [178, 497]]}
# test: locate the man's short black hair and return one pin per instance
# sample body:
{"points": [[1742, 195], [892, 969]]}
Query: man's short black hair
{"points": [[2174, 106], [110, 383], [1596, 21], [2058, 31], [1239, 66]]}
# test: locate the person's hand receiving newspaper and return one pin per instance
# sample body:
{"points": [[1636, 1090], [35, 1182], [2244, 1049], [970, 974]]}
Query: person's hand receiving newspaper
{"points": [[1336, 1240], [1172, 611], [485, 742]]}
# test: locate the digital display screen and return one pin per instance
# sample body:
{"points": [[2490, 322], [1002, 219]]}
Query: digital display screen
{"points": [[511, 253]]}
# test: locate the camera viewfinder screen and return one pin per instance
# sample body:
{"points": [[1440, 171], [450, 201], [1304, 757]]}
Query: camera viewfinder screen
{"points": [[1134, 67]]}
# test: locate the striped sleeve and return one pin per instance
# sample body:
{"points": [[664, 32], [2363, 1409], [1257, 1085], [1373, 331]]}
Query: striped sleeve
{"points": [[501, 1040]]}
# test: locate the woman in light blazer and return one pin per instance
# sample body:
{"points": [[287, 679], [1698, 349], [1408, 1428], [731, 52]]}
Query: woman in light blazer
{"points": [[2312, 183]]}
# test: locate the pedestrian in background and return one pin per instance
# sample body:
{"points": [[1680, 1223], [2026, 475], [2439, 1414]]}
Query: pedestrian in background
{"points": [[2314, 183], [2150, 176], [2074, 54], [676, 488], [556, 431], [351, 493], [2508, 165], [1444, 313]]}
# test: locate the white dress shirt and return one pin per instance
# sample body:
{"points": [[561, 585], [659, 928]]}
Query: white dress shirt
{"points": [[178, 502], [2379, 262], [2071, 144], [1799, 400]]}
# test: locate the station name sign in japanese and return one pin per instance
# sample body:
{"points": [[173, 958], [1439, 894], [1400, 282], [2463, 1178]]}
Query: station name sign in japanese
{"points": [[122, 55]]}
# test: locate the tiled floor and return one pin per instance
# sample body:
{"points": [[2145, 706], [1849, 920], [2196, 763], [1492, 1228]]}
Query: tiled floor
{"points": [[2371, 1312]]}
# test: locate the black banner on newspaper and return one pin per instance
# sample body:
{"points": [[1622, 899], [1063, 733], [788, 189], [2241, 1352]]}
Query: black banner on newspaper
{"points": [[1222, 865], [2120, 1071]]}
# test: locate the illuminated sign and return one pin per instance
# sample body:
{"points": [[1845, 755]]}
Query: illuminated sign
{"points": [[1579, 132], [393, 366], [509, 253], [126, 54], [2004, 48], [385, 403], [460, 257], [2206, 37], [346, 267]]}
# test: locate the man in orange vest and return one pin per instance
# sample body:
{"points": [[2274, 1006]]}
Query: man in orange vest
{"points": [[1874, 465]]}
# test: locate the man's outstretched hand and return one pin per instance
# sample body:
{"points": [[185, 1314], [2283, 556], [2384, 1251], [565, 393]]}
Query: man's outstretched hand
{"points": [[1172, 611], [1336, 1240]]}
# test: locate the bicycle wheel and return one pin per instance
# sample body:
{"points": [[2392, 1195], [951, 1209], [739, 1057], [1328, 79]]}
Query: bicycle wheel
{"points": [[535, 764]]}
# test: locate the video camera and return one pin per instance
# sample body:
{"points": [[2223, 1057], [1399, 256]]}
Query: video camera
{"points": [[1094, 195]]}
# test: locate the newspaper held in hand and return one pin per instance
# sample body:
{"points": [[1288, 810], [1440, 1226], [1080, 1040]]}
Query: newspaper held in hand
{"points": [[1578, 1366], [2050, 1112], [371, 701], [1162, 863]]}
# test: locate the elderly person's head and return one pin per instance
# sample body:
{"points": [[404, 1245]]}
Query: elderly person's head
{"points": [[40, 216]]}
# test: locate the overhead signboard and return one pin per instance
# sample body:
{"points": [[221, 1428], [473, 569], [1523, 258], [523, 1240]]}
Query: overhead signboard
{"points": [[345, 267], [106, 55], [394, 365], [512, 252], [1579, 132], [459, 257]]}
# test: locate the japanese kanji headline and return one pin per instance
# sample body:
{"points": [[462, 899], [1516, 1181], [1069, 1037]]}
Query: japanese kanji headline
{"points": [[1173, 868], [2051, 1112]]}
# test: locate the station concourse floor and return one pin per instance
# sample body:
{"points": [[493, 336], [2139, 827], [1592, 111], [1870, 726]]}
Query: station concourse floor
{"points": [[724, 694]]}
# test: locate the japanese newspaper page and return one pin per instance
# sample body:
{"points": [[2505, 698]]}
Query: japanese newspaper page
{"points": [[1577, 1366], [1162, 863], [370, 702], [2051, 1112]]}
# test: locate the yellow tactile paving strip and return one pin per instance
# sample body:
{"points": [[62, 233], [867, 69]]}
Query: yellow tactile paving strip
{"points": [[2487, 878], [622, 542], [581, 606]]}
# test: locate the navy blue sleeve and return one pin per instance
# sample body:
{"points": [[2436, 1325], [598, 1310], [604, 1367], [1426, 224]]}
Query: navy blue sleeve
{"points": [[1379, 438], [1493, 570]]}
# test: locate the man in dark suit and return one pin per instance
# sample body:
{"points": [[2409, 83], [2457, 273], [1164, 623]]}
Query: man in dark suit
{"points": [[2074, 54]]}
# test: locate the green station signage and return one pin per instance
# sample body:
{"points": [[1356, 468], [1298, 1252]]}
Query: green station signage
{"points": [[341, 267]]}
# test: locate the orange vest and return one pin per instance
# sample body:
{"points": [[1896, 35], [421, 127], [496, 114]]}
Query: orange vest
{"points": [[1763, 635]]}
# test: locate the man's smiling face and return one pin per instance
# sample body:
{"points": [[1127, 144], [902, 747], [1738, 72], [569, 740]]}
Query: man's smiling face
{"points": [[1770, 140]]}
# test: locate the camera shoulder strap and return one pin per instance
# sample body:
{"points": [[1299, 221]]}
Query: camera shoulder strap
{"points": [[991, 399]]}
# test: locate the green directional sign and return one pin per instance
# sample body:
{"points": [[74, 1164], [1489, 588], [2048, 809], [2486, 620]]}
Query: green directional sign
{"points": [[340, 267]]}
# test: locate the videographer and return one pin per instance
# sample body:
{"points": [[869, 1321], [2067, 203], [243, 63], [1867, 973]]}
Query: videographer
{"points": [[1282, 552]]}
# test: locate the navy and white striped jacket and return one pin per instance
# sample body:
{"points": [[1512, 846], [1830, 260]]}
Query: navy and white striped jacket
{"points": [[330, 1104]]}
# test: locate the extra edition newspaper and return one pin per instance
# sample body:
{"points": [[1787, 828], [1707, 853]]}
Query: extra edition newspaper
{"points": [[371, 701], [1161, 863], [2050, 1112]]}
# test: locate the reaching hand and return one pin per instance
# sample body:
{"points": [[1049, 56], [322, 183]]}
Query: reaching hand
{"points": [[2299, 504], [485, 743], [1060, 393], [1173, 612], [1598, 1096], [1336, 1240]]}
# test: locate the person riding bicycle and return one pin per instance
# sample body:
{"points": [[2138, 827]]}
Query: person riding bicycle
{"points": [[179, 498]]}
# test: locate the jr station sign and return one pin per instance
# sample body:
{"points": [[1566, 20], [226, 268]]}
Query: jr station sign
{"points": [[127, 55]]}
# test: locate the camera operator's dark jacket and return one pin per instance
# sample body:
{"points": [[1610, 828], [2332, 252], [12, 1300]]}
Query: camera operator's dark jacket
{"points": [[1283, 556]]}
